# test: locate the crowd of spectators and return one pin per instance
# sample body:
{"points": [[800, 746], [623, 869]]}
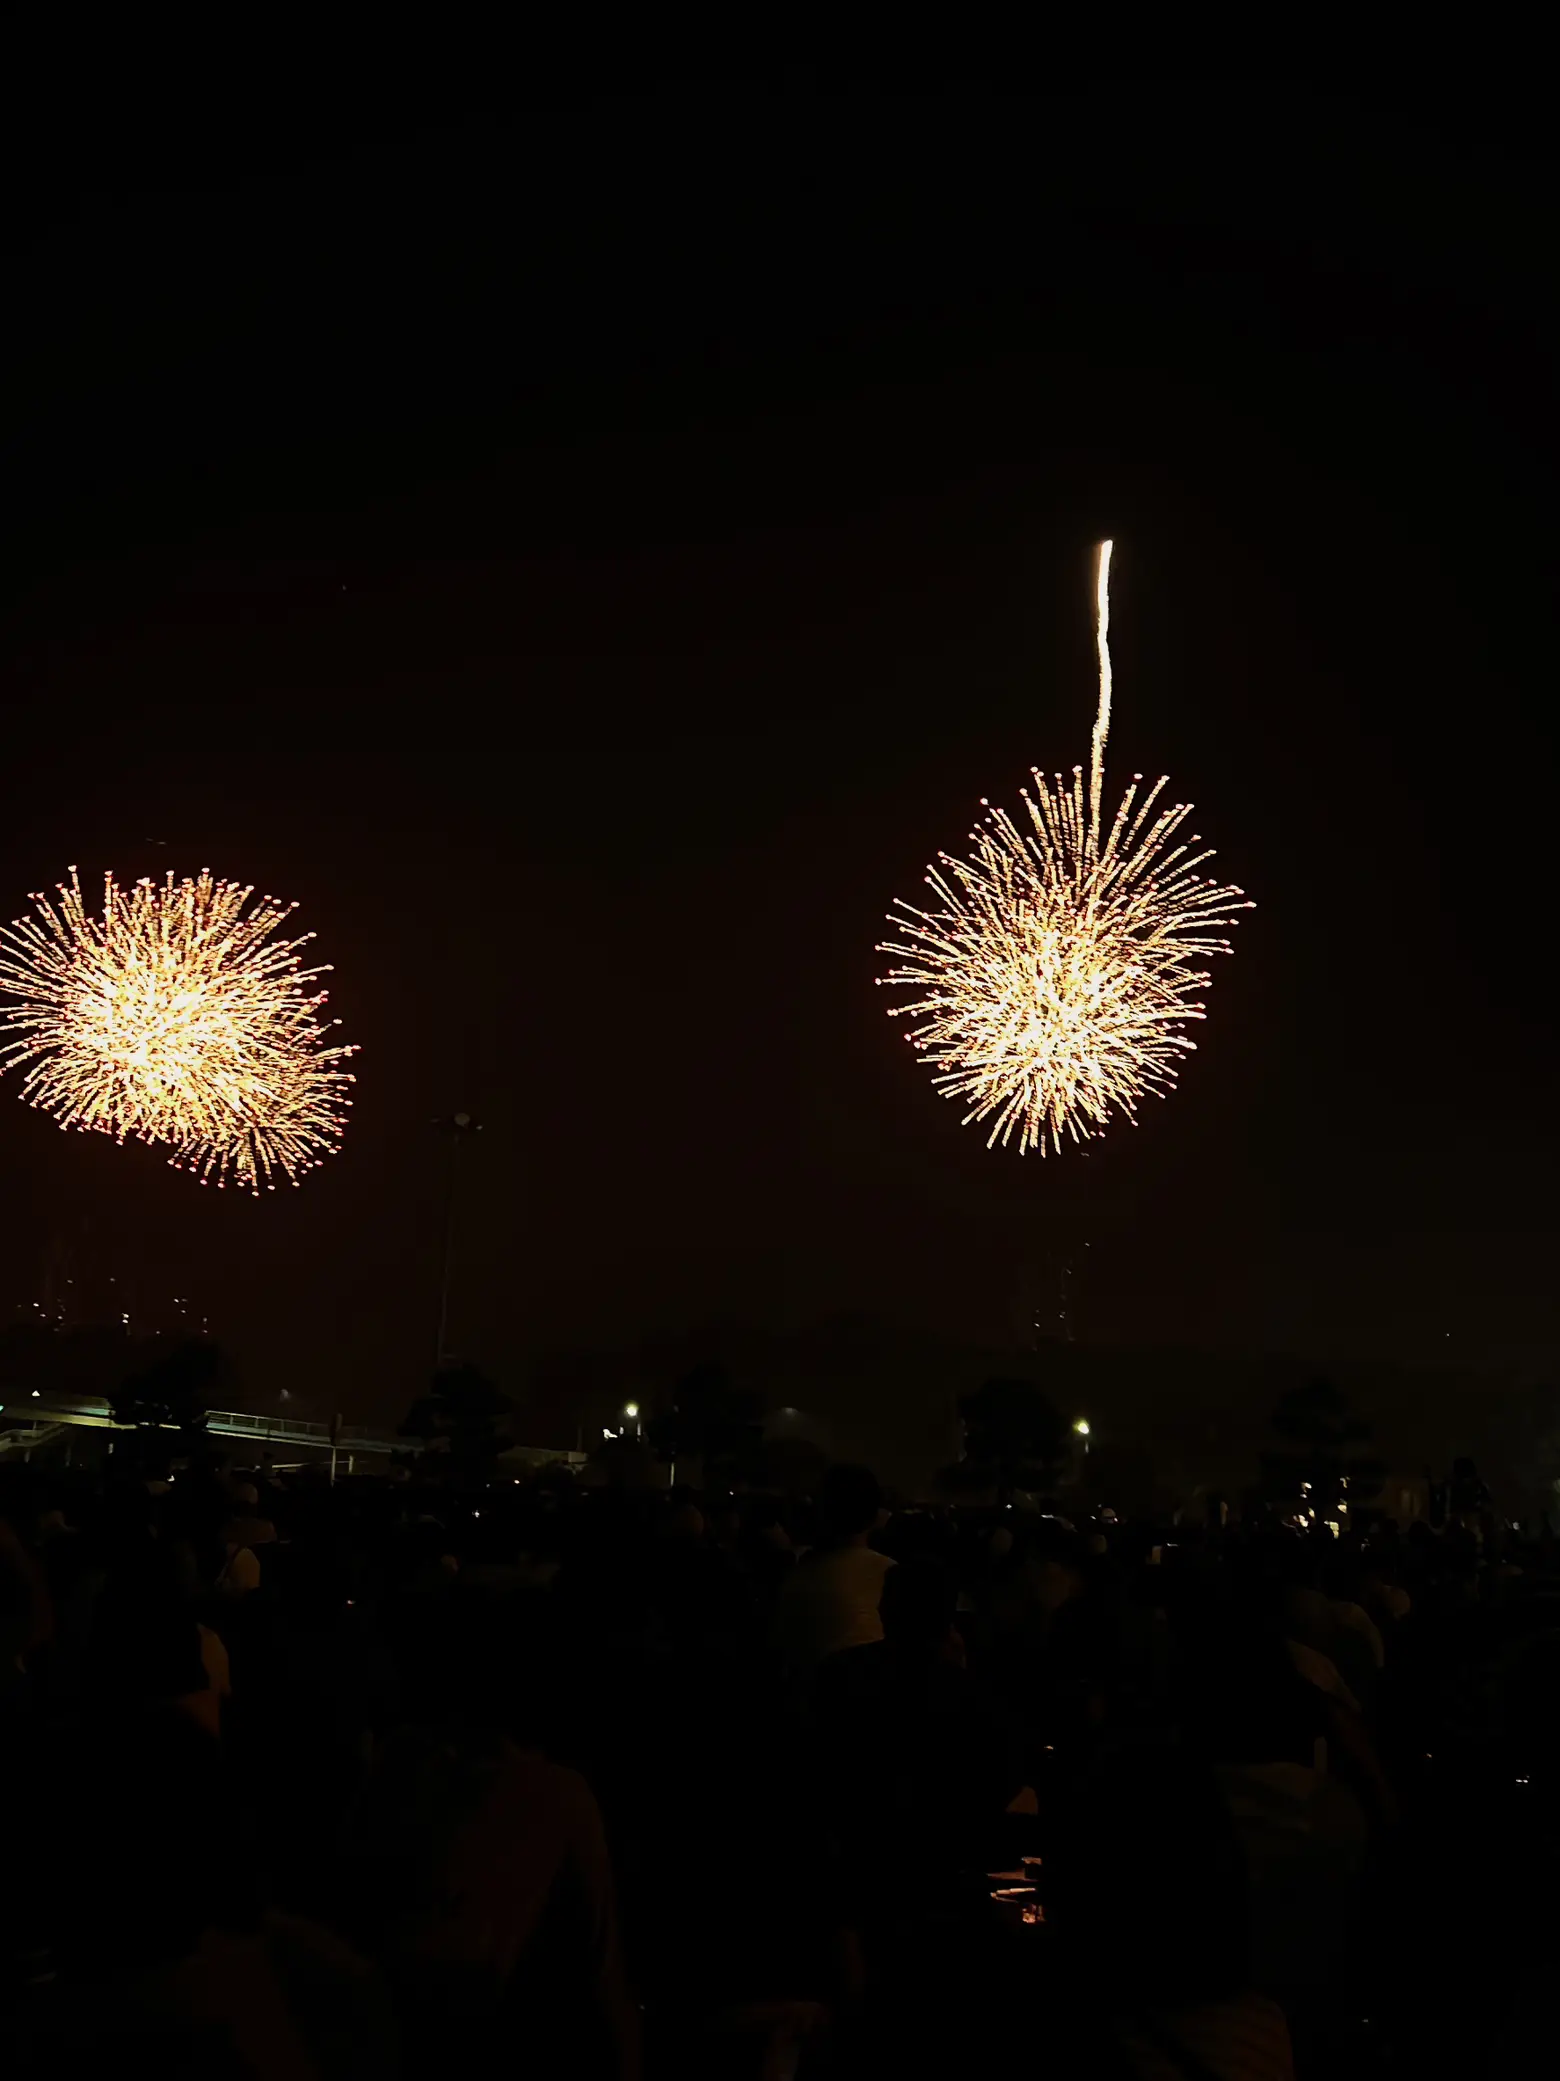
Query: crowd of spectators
{"points": [[534, 1778]]}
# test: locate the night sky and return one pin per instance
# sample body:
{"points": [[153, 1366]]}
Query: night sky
{"points": [[593, 562]]}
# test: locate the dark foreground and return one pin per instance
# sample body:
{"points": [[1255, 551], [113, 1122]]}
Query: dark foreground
{"points": [[531, 1781]]}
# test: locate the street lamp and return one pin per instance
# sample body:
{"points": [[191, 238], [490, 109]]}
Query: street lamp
{"points": [[1082, 1429]]}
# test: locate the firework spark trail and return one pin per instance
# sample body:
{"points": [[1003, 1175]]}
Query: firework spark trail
{"points": [[175, 1018], [1102, 712], [1060, 964]]}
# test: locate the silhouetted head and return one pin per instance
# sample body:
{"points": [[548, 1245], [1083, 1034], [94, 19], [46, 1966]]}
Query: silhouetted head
{"points": [[848, 1504], [472, 1664], [154, 1847], [23, 1607], [146, 1642], [920, 1598], [1146, 1885]]}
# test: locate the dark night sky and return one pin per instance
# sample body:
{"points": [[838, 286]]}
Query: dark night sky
{"points": [[592, 563]]}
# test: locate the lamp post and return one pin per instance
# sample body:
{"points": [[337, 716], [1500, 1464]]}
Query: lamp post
{"points": [[1081, 1427], [458, 1128]]}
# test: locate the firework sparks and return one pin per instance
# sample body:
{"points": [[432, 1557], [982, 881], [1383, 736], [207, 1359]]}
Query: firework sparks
{"points": [[176, 1018], [1055, 974]]}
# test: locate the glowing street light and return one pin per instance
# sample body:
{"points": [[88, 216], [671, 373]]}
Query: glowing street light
{"points": [[630, 1409], [1082, 1429]]}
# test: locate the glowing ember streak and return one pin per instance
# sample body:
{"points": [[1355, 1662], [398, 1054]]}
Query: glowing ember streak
{"points": [[1057, 971], [176, 1018], [1102, 713]]}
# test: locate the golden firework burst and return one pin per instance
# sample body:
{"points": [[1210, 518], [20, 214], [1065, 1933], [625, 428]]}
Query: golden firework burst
{"points": [[1055, 975], [175, 1017]]}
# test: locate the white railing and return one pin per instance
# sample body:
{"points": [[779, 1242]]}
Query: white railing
{"points": [[23, 1441], [292, 1430]]}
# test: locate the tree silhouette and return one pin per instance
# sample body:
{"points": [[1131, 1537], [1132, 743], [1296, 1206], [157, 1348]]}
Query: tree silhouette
{"points": [[171, 1389], [152, 1386], [709, 1419], [790, 1466], [1524, 1420], [462, 1412], [624, 1463], [1013, 1436], [1122, 1474], [1320, 1433], [965, 1481]]}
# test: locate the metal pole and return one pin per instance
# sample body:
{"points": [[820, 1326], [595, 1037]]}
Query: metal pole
{"points": [[458, 1127], [449, 1251]]}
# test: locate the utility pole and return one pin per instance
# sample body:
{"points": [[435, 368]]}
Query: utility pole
{"points": [[458, 1129]]}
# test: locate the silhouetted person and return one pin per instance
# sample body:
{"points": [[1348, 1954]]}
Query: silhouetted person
{"points": [[917, 1765], [1145, 1893], [480, 1874], [831, 1600], [162, 1948]]}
